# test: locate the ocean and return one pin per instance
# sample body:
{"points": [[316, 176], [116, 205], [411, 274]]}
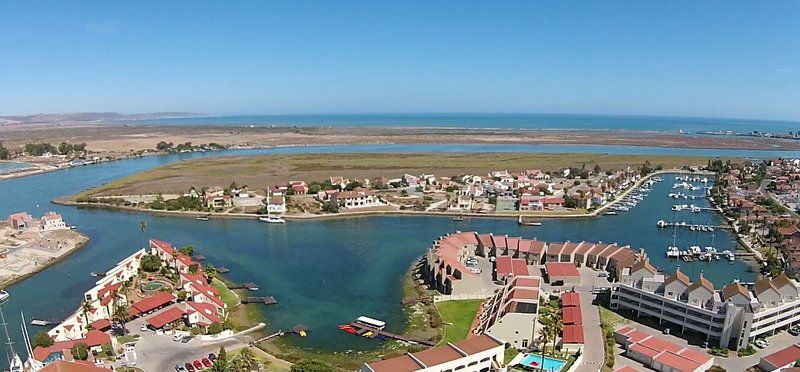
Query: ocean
{"points": [[493, 121]]}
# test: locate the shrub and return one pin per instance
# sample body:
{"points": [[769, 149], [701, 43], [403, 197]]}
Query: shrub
{"points": [[214, 328], [80, 351], [42, 339], [311, 365]]}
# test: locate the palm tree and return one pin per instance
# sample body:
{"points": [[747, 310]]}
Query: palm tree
{"points": [[86, 307], [121, 313], [247, 357]]}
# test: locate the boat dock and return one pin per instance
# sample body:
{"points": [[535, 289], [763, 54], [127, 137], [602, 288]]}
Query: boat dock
{"points": [[362, 329], [249, 286], [528, 222], [267, 300], [43, 323], [223, 270]]}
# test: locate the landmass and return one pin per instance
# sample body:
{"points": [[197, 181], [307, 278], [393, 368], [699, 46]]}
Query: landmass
{"points": [[332, 185]]}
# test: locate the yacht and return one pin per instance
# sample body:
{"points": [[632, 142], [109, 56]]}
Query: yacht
{"points": [[272, 219]]}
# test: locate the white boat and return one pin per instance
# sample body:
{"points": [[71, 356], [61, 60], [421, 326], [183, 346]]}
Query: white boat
{"points": [[673, 252], [3, 296], [272, 219], [610, 213], [695, 249]]}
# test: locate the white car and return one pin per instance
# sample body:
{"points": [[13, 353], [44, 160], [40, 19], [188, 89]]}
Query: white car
{"points": [[130, 349], [143, 327], [760, 343], [475, 270], [177, 337]]}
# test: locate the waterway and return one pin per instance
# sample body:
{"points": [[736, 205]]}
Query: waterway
{"points": [[6, 166], [323, 273]]}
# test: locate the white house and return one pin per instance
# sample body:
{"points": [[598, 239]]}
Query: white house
{"points": [[53, 221], [479, 353], [276, 204]]}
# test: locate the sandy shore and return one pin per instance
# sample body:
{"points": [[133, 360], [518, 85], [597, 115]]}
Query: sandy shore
{"points": [[21, 262]]}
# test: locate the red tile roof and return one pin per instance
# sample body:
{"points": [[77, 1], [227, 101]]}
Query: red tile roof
{"points": [[561, 269], [206, 310], [507, 266], [72, 366], [93, 338], [569, 299], [164, 246], [784, 357], [156, 301], [571, 315], [165, 317], [677, 362], [572, 334], [101, 324]]}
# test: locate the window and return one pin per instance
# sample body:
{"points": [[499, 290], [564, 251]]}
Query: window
{"points": [[472, 364], [524, 342]]}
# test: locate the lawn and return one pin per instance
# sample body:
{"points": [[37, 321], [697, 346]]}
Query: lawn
{"points": [[458, 316], [228, 297]]}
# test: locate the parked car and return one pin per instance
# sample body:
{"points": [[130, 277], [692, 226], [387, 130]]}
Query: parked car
{"points": [[180, 368], [212, 357], [177, 337], [705, 345], [206, 362], [666, 331], [602, 274], [760, 343], [143, 327], [130, 348], [197, 365], [475, 270], [186, 339], [794, 331], [189, 367]]}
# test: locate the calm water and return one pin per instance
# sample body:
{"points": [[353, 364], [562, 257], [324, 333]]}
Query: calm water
{"points": [[6, 166], [501, 121], [323, 273]]}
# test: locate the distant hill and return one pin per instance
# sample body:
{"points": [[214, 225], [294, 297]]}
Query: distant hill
{"points": [[94, 117]]}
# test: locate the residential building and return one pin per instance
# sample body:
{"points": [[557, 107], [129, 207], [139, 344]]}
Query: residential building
{"points": [[53, 221], [482, 353], [660, 354], [276, 204], [780, 360], [299, 187], [731, 317], [511, 313], [357, 198], [506, 203]]}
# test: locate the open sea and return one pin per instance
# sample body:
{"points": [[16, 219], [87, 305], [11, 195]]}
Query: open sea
{"points": [[495, 121]]}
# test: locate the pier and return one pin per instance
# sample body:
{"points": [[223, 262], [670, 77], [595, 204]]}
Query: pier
{"points": [[268, 300], [361, 329], [43, 323], [249, 286]]}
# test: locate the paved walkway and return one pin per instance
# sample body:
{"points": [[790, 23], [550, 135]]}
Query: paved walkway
{"points": [[593, 351]]}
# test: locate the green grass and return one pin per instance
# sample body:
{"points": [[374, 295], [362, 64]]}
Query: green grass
{"points": [[228, 297], [127, 339], [509, 354], [458, 316]]}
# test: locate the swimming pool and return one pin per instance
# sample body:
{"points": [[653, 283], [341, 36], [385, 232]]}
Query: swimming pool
{"points": [[550, 364]]}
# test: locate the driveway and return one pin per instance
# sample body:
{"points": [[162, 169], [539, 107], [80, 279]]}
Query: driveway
{"points": [[593, 351]]}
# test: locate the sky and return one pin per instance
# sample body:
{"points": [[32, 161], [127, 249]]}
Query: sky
{"points": [[738, 59]]}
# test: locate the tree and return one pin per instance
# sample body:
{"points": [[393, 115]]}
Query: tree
{"points": [[214, 328], [42, 339], [193, 268], [86, 307], [221, 364], [80, 351], [597, 169], [121, 313], [182, 295], [163, 146], [150, 263], [246, 359], [4, 153], [211, 272], [311, 365], [187, 250]]}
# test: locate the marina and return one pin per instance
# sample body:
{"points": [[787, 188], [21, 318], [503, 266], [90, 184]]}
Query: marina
{"points": [[372, 328], [346, 246]]}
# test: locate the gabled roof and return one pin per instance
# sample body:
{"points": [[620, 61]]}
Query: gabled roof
{"points": [[782, 280], [733, 289], [764, 285], [679, 276], [701, 282], [643, 264]]}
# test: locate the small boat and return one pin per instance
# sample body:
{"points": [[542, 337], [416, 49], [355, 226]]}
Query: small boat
{"points": [[95, 274], [611, 213], [204, 218], [39, 322], [272, 219], [459, 217], [73, 227], [3, 296]]}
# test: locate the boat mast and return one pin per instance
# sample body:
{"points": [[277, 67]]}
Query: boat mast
{"points": [[9, 343]]}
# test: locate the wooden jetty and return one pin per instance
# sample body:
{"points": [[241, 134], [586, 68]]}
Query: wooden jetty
{"points": [[43, 322], [223, 270], [412, 301], [361, 329], [199, 257], [268, 300], [249, 286]]}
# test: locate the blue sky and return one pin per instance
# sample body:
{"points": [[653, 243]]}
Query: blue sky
{"points": [[688, 58]]}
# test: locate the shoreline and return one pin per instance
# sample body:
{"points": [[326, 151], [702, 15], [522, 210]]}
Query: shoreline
{"points": [[82, 243]]}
